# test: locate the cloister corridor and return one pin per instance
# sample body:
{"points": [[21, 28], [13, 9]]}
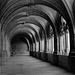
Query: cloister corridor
{"points": [[37, 37]]}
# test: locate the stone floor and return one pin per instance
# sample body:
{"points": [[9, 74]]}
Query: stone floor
{"points": [[27, 65]]}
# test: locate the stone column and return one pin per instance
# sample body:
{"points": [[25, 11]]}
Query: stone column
{"points": [[72, 45], [0, 40], [7, 46], [0, 44], [2, 48]]}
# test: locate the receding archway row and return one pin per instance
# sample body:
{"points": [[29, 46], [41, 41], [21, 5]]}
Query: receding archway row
{"points": [[13, 14], [38, 3], [25, 30]]}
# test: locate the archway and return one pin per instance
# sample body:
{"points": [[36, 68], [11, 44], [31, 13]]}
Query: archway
{"points": [[19, 45]]}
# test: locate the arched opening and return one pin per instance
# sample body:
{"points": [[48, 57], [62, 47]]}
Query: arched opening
{"points": [[19, 45], [64, 38]]}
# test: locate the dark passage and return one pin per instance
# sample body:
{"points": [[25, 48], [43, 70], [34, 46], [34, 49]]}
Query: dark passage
{"points": [[19, 45]]}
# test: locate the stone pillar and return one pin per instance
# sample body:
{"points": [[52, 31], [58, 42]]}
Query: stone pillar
{"points": [[72, 45], [0, 40], [72, 54], [3, 52], [0, 44], [7, 46]]}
